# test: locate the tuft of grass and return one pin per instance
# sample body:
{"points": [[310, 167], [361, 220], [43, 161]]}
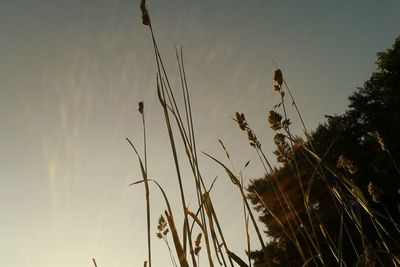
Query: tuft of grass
{"points": [[295, 215]]}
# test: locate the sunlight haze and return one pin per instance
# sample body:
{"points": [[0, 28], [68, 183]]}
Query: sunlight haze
{"points": [[73, 72]]}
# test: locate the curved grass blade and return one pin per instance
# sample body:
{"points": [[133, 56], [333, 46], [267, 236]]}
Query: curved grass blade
{"points": [[170, 218], [236, 258], [147, 192], [233, 178]]}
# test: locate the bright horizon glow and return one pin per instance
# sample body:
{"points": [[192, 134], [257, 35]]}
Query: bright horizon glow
{"points": [[73, 72]]}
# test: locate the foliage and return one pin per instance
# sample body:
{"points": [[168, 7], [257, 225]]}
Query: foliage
{"points": [[334, 199], [359, 143]]}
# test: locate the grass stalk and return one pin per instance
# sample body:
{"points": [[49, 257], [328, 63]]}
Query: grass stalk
{"points": [[147, 195]]}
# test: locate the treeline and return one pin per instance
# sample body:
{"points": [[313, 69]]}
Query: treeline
{"points": [[334, 200]]}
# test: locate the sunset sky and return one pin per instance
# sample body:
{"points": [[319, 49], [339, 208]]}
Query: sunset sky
{"points": [[72, 73]]}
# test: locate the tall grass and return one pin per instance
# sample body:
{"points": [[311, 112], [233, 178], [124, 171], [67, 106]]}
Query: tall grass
{"points": [[306, 233]]}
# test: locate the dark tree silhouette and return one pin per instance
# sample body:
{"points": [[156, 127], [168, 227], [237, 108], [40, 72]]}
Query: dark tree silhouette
{"points": [[363, 145]]}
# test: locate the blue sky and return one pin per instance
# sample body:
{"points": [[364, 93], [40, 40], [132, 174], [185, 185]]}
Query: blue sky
{"points": [[72, 73]]}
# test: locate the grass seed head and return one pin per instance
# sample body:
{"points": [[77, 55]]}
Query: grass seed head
{"points": [[162, 227], [253, 139], [241, 120], [278, 77], [145, 13], [346, 164], [197, 247], [275, 119], [159, 235], [141, 107]]}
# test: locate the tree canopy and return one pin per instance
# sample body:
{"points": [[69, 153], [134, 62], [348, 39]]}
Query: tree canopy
{"points": [[335, 198]]}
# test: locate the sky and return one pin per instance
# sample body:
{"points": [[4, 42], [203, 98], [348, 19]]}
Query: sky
{"points": [[72, 73]]}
